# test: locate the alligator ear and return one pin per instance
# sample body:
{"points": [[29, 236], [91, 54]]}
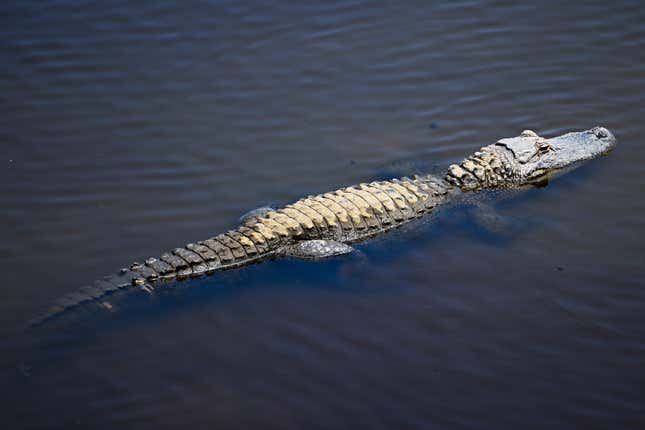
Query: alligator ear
{"points": [[316, 249]]}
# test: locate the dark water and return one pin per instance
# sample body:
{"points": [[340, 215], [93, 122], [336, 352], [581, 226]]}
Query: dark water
{"points": [[126, 131]]}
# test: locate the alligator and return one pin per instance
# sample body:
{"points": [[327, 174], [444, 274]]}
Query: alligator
{"points": [[325, 225]]}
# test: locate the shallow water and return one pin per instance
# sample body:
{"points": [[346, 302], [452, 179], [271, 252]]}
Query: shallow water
{"points": [[127, 131]]}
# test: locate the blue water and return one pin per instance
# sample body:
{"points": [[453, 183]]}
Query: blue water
{"points": [[127, 130]]}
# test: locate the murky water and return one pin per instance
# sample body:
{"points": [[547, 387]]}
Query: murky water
{"points": [[126, 131]]}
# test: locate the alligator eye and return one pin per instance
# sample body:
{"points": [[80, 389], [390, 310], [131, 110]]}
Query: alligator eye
{"points": [[543, 147]]}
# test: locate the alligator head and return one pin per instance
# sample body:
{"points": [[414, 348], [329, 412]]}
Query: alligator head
{"points": [[529, 158]]}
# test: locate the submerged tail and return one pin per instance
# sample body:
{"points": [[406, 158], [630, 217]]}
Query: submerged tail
{"points": [[227, 250]]}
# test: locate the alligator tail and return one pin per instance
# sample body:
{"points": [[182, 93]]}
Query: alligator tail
{"points": [[228, 250]]}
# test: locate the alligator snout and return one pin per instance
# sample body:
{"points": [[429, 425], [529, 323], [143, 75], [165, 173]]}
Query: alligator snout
{"points": [[605, 139]]}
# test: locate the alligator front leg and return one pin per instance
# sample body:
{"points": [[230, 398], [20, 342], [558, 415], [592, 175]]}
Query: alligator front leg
{"points": [[491, 222], [316, 249]]}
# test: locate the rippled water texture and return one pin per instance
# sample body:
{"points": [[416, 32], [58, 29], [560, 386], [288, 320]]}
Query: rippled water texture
{"points": [[128, 130]]}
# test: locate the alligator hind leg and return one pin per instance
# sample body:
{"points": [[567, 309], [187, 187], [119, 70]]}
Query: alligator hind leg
{"points": [[316, 249], [255, 213]]}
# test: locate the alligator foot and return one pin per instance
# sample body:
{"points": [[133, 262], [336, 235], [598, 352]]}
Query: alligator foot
{"points": [[490, 222], [316, 249]]}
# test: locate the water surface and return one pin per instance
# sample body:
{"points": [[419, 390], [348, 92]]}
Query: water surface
{"points": [[129, 130]]}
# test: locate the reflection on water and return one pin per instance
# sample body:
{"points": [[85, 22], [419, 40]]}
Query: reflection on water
{"points": [[128, 130]]}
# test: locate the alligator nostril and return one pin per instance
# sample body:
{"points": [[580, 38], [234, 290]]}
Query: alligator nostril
{"points": [[600, 132]]}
